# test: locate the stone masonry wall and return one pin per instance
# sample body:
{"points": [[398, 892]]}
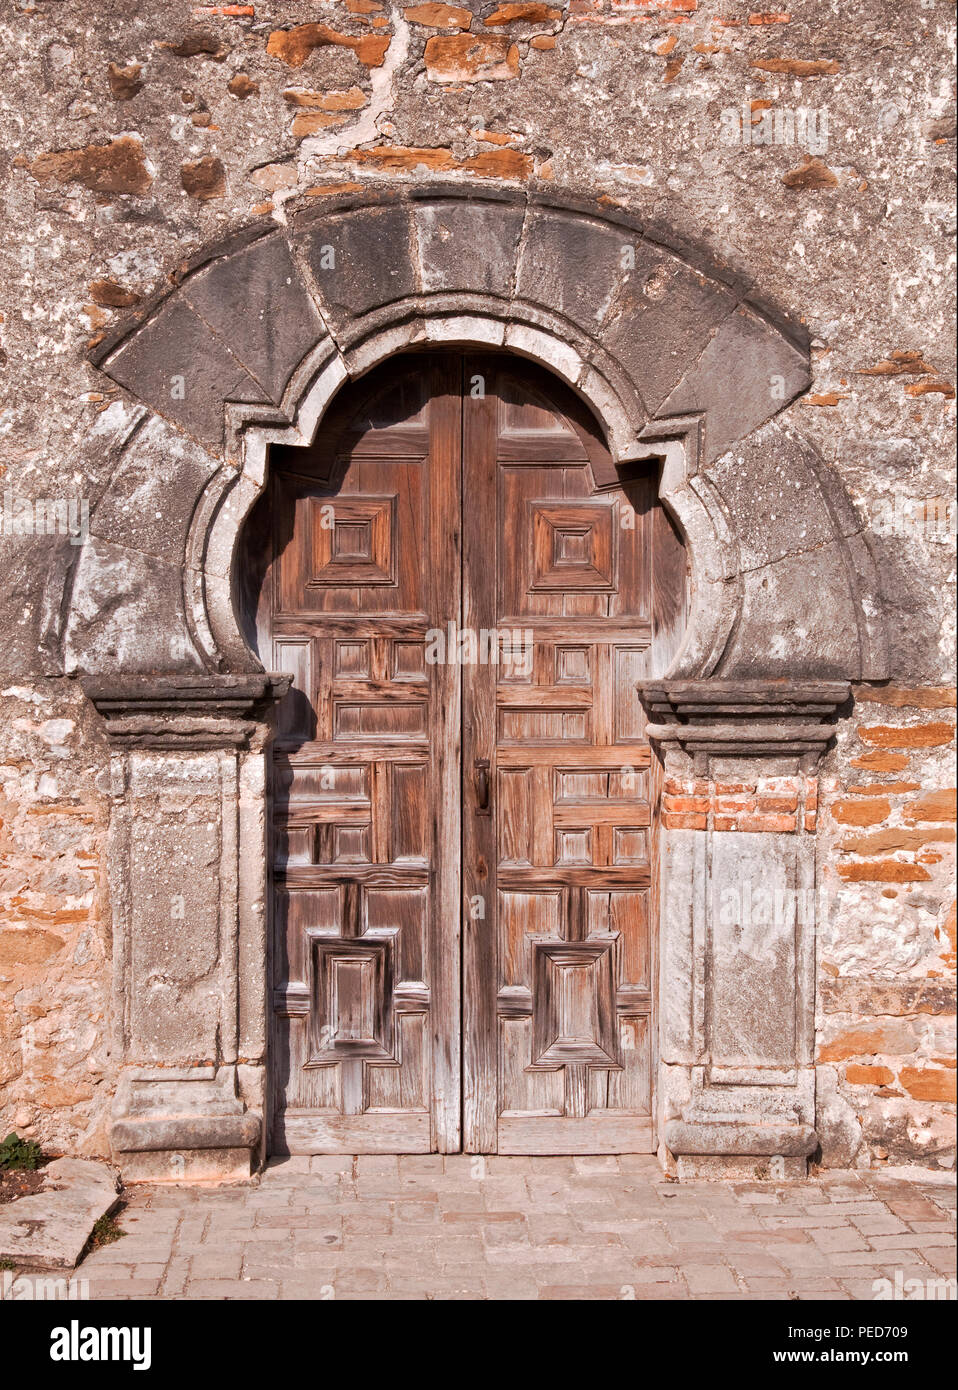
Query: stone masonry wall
{"points": [[886, 1001], [809, 150]]}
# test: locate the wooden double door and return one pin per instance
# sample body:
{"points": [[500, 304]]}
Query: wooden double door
{"points": [[463, 951]]}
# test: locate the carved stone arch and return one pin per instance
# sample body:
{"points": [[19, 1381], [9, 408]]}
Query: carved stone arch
{"points": [[676, 359], [679, 361]]}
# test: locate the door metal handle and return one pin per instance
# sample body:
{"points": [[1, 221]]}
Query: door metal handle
{"points": [[482, 786]]}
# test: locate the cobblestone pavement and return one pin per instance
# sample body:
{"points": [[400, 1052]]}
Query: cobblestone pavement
{"points": [[527, 1228]]}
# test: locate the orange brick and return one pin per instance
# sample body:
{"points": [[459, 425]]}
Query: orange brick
{"points": [[293, 46], [396, 158], [686, 803], [467, 58], [532, 13], [900, 696], [500, 164], [888, 841], [936, 806], [916, 736], [777, 804], [884, 871], [882, 788], [883, 1039], [928, 1083], [308, 122], [857, 1075], [687, 786], [676, 820], [325, 190], [861, 812], [798, 67], [876, 761], [767, 825]]}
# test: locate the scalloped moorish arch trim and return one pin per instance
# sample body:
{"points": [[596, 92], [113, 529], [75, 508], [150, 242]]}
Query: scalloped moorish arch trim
{"points": [[675, 358], [678, 361]]}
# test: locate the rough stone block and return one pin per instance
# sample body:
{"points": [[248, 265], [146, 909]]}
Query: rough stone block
{"points": [[747, 373], [467, 246], [50, 1228], [178, 366], [256, 301], [360, 260]]}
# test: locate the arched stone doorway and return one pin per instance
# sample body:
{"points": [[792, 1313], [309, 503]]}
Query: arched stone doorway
{"points": [[462, 944], [684, 369]]}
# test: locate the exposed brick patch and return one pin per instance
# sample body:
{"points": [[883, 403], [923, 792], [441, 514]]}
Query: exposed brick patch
{"points": [[308, 122], [242, 86], [881, 762], [204, 179], [884, 871], [770, 805], [468, 58], [858, 1075], [521, 14], [124, 81], [906, 697], [438, 16], [798, 67], [936, 806], [892, 874], [861, 812], [873, 1040], [928, 388], [500, 163], [814, 173], [908, 736], [929, 1083], [293, 46], [828, 398], [117, 167], [887, 841], [111, 295], [882, 788], [327, 190]]}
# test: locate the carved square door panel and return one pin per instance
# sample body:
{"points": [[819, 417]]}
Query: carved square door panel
{"points": [[463, 952]]}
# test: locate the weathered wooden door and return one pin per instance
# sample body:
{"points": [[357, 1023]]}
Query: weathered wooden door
{"points": [[558, 947], [462, 939]]}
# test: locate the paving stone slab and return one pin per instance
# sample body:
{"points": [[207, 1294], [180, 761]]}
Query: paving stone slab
{"points": [[50, 1228]]}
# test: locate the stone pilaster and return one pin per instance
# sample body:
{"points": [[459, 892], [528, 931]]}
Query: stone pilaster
{"points": [[188, 893], [738, 919]]}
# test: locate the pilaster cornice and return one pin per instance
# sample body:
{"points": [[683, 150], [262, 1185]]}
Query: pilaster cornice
{"points": [[761, 719], [185, 711]]}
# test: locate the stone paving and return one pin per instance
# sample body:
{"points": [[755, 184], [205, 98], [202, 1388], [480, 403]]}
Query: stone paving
{"points": [[428, 1227]]}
